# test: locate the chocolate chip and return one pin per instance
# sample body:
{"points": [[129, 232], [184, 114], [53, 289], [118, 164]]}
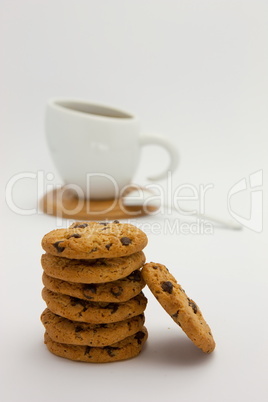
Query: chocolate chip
{"points": [[78, 328], [167, 287], [74, 301], [82, 226], [90, 288], [108, 246], [114, 309], [175, 315], [125, 241], [110, 350], [87, 351], [116, 221], [135, 276], [155, 267], [193, 305], [103, 223], [75, 235], [85, 305], [139, 336], [58, 247], [112, 306], [116, 291]]}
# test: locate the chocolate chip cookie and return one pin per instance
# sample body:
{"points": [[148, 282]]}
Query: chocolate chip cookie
{"points": [[90, 240], [183, 310], [93, 312], [125, 349], [91, 271], [80, 333], [116, 291]]}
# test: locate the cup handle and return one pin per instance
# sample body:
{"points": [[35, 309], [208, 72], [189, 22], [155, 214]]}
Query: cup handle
{"points": [[162, 142]]}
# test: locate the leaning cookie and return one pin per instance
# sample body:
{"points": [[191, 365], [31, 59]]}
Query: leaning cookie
{"points": [[90, 240], [80, 333], [93, 312], [116, 291], [181, 308], [125, 349], [92, 271]]}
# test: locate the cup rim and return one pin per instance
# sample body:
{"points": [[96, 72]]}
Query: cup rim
{"points": [[122, 115]]}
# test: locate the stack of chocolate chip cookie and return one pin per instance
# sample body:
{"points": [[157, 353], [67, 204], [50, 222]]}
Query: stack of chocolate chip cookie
{"points": [[93, 291]]}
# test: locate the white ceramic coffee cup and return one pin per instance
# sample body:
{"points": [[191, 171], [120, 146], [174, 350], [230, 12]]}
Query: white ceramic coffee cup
{"points": [[97, 147]]}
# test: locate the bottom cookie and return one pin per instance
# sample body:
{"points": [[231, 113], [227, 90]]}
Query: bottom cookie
{"points": [[123, 350]]}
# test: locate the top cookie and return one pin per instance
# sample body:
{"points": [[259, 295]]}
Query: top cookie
{"points": [[90, 240], [174, 300]]}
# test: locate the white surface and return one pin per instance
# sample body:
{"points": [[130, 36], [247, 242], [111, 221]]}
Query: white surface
{"points": [[195, 71]]}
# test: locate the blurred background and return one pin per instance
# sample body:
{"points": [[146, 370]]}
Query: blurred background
{"points": [[195, 72]]}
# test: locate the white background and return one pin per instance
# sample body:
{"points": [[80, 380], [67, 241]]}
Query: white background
{"points": [[195, 71]]}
